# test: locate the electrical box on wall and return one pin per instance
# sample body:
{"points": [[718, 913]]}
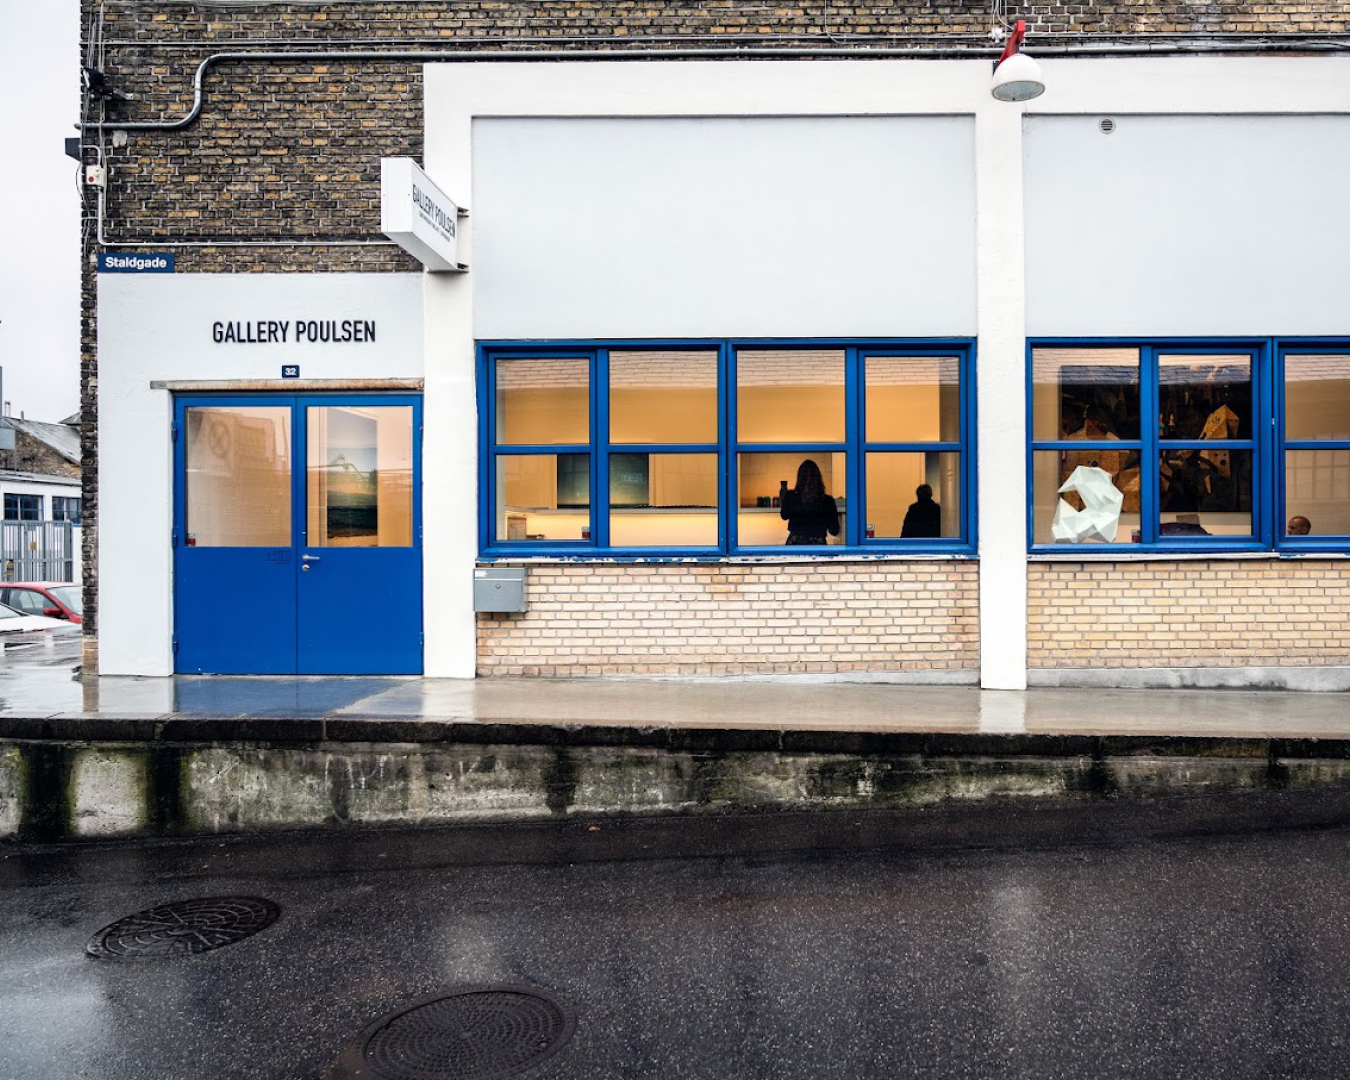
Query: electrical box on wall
{"points": [[499, 589]]}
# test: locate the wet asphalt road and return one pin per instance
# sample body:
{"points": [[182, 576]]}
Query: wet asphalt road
{"points": [[1225, 957]]}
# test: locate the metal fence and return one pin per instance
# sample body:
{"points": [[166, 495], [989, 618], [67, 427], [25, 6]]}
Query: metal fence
{"points": [[39, 551]]}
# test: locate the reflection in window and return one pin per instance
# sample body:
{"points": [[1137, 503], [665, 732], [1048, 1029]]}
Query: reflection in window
{"points": [[23, 507], [66, 508], [238, 476], [1206, 397], [1051, 470], [72, 596], [766, 481], [679, 428], [543, 496], [898, 506], [663, 500], [1089, 412], [359, 476], [663, 397], [1317, 454], [1205, 493], [1085, 394], [1317, 396], [913, 398], [1317, 492], [543, 402], [790, 395]]}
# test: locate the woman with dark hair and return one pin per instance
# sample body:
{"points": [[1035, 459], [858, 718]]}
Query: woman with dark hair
{"points": [[808, 510]]}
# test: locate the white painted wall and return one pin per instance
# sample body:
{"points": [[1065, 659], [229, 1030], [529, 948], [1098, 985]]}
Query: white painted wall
{"points": [[157, 327], [1044, 265], [151, 326], [1187, 225], [770, 226], [829, 254]]}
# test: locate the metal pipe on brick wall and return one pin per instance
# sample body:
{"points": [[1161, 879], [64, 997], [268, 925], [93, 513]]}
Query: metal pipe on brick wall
{"points": [[973, 44], [755, 53], [596, 55]]}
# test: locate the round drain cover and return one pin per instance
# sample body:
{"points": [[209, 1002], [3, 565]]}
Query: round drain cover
{"points": [[487, 1033], [184, 928]]}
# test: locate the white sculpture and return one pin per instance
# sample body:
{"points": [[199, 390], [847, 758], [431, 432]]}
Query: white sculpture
{"points": [[1101, 507]]}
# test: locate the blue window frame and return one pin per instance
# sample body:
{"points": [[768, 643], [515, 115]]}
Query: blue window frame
{"points": [[1312, 430], [23, 507], [1231, 443], [641, 449], [66, 508]]}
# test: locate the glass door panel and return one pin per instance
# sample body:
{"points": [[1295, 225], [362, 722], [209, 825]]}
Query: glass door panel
{"points": [[238, 479], [360, 560], [359, 472], [234, 578], [298, 525]]}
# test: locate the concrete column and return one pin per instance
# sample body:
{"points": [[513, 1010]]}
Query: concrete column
{"points": [[1000, 386], [450, 428]]}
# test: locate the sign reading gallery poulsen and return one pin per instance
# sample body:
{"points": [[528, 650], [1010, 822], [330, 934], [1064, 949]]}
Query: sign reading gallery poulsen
{"points": [[288, 331], [417, 215]]}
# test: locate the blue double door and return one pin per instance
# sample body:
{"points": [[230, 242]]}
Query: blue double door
{"points": [[297, 535]]}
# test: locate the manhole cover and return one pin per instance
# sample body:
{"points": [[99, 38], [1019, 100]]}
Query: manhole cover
{"points": [[184, 928], [480, 1034]]}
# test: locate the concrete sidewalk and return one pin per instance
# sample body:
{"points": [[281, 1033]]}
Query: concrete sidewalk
{"points": [[108, 757], [41, 681]]}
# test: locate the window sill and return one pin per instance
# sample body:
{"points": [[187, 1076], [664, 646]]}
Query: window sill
{"points": [[490, 558], [1182, 556]]}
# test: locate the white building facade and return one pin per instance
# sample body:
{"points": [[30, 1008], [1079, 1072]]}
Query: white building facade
{"points": [[684, 279]]}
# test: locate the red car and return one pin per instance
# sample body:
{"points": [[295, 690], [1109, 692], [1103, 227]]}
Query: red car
{"points": [[54, 599]]}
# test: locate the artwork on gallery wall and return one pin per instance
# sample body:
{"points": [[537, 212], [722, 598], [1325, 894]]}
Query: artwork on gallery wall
{"points": [[350, 474], [629, 479], [574, 481], [1198, 400]]}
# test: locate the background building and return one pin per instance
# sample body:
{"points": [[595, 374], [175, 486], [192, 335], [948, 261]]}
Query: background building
{"points": [[40, 489], [705, 243]]}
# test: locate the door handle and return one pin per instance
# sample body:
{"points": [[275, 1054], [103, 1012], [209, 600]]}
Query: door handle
{"points": [[309, 558]]}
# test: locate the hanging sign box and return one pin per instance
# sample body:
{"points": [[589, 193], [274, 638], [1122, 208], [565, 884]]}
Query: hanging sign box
{"points": [[418, 216]]}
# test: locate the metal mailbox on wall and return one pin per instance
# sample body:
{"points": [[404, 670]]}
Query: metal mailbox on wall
{"points": [[499, 589]]}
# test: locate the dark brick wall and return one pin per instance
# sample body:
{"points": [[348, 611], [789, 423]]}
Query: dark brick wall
{"points": [[35, 456], [89, 444], [290, 150], [282, 152]]}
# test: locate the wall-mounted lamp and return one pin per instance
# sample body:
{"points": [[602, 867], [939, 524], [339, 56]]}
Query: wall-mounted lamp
{"points": [[1017, 77]]}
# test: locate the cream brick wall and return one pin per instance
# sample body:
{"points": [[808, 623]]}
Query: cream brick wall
{"points": [[738, 620], [1209, 613]]}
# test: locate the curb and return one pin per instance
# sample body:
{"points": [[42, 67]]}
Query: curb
{"points": [[69, 778]]}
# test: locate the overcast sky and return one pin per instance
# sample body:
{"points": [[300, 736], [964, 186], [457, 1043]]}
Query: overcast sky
{"points": [[39, 208]]}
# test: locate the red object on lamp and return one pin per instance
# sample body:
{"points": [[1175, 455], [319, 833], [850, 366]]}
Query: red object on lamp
{"points": [[1014, 41]]}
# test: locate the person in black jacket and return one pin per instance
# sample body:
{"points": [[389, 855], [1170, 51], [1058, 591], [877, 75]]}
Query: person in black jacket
{"points": [[808, 510], [924, 517]]}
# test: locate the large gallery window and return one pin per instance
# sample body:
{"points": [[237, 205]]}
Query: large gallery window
{"points": [[1314, 433], [709, 448], [1223, 445]]}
